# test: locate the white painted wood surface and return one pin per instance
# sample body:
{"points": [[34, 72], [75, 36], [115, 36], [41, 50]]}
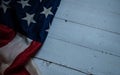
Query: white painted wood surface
{"points": [[92, 13], [84, 39], [47, 68]]}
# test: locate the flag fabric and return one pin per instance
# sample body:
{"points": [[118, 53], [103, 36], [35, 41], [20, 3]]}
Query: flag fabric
{"points": [[24, 25]]}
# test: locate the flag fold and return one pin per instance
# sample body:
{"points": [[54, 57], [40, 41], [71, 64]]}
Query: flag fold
{"points": [[24, 25]]}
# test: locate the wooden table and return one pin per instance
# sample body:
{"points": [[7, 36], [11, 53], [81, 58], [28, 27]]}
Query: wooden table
{"points": [[84, 39]]}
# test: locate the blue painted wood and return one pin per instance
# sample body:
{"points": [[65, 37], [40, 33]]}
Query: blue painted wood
{"points": [[47, 68], [93, 38], [85, 36], [94, 13], [80, 58]]}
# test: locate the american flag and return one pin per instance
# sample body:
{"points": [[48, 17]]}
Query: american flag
{"points": [[24, 25]]}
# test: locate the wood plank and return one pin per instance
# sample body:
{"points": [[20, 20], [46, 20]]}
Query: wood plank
{"points": [[111, 6], [86, 36], [90, 14], [80, 58], [47, 68]]}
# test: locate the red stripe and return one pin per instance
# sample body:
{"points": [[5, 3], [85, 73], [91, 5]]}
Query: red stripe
{"points": [[21, 71], [17, 67], [6, 35]]}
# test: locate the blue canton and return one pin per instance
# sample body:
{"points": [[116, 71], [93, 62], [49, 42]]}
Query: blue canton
{"points": [[31, 18]]}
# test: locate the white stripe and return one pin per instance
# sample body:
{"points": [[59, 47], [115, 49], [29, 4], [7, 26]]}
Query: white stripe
{"points": [[32, 68], [9, 52]]}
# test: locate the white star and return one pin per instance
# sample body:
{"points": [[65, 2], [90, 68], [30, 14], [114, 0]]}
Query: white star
{"points": [[29, 18], [40, 0], [5, 5], [24, 3], [47, 30], [47, 12]]}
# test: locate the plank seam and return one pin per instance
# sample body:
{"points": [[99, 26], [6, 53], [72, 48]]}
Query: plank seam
{"points": [[98, 50], [117, 33], [61, 65]]}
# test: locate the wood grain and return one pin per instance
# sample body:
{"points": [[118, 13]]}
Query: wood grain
{"points": [[47, 68], [84, 39], [86, 36], [80, 58], [92, 13]]}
